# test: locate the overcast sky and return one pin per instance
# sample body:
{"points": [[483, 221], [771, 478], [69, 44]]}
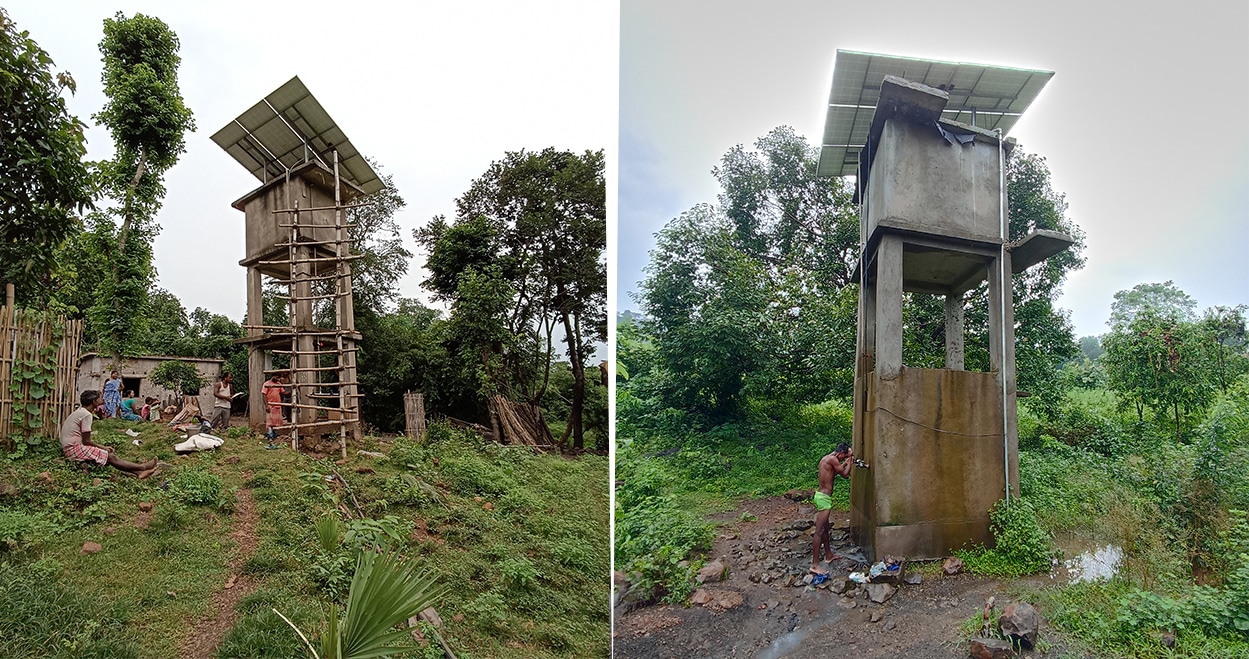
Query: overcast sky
{"points": [[1144, 124], [432, 91]]}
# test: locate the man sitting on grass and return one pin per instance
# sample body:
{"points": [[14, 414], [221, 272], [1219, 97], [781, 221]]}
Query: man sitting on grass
{"points": [[832, 465], [76, 441]]}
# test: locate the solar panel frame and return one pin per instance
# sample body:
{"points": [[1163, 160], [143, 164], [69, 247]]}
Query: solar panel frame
{"points": [[988, 96], [287, 128]]}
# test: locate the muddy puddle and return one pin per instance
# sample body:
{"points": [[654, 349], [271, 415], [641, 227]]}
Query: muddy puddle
{"points": [[1086, 559]]}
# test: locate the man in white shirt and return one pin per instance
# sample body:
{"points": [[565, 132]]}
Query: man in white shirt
{"points": [[76, 441], [222, 393]]}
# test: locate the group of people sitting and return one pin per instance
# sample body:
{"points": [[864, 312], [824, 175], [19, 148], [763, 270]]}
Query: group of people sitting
{"points": [[128, 407]]}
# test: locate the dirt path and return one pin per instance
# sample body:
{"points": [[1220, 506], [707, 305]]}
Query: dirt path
{"points": [[786, 618], [207, 633]]}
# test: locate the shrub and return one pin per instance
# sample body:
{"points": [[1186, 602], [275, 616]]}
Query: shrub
{"points": [[19, 529], [197, 487], [1021, 545]]}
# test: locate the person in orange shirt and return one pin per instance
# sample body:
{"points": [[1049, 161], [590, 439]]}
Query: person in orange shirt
{"points": [[272, 391]]}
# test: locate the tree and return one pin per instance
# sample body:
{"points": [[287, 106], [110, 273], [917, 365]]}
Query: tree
{"points": [[533, 228], [1227, 336], [148, 120], [1159, 361], [43, 179], [1163, 299], [179, 376], [375, 237]]}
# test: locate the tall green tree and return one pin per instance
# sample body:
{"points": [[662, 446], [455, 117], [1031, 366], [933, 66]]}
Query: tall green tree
{"points": [[148, 120], [376, 239], [1164, 299], [532, 229], [44, 182]]}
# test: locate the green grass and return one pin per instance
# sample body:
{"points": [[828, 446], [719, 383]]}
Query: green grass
{"points": [[528, 571]]}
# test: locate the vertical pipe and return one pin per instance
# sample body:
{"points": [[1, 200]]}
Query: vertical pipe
{"points": [[1003, 291]]}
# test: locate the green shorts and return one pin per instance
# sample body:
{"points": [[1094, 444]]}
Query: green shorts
{"points": [[823, 501]]}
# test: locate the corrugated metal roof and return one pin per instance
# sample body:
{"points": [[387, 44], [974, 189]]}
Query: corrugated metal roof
{"points": [[289, 127], [997, 95]]}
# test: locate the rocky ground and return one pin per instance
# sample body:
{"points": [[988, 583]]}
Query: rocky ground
{"points": [[765, 606]]}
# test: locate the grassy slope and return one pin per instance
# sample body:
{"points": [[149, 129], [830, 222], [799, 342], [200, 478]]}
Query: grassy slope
{"points": [[528, 577]]}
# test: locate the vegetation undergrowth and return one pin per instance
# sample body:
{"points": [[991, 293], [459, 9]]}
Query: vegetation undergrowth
{"points": [[521, 539], [671, 475]]}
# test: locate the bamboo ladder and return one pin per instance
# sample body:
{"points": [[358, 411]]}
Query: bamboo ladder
{"points": [[302, 272]]}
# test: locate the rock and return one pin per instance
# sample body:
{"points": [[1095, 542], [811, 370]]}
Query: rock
{"points": [[880, 592], [728, 599], [913, 579], [478, 499], [431, 616], [772, 604], [628, 601], [838, 585], [487, 506], [799, 495], [799, 525], [806, 580], [170, 594], [756, 576], [146, 506], [876, 616], [620, 579], [990, 648], [847, 603], [890, 625], [365, 470], [230, 582], [233, 460], [109, 530], [712, 572], [1020, 621], [701, 596], [1168, 640], [372, 454], [952, 565], [766, 578], [90, 548]]}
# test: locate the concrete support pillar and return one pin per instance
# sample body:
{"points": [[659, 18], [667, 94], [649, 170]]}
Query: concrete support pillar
{"points": [[889, 307], [255, 356], [954, 336]]}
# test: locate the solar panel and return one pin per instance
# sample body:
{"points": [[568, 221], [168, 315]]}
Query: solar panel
{"points": [[987, 96], [288, 128]]}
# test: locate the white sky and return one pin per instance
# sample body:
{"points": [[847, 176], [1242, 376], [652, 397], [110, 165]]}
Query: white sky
{"points": [[433, 91], [1144, 124]]}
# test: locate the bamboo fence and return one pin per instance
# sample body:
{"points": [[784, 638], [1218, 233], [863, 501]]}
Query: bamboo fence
{"points": [[26, 339]]}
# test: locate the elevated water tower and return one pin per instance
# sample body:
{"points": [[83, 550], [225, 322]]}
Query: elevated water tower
{"points": [[925, 141], [298, 237]]}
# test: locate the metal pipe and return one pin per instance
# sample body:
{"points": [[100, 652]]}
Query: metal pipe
{"points": [[1004, 292]]}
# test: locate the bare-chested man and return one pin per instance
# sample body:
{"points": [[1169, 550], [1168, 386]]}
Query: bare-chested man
{"points": [[834, 464]]}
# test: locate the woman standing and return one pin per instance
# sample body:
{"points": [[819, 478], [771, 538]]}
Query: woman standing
{"points": [[112, 394]]}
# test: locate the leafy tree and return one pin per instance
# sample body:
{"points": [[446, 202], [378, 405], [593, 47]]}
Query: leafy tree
{"points": [[177, 376], [375, 236], [1091, 346], [43, 179], [523, 258], [1158, 361], [147, 118], [1163, 299], [1227, 334]]}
